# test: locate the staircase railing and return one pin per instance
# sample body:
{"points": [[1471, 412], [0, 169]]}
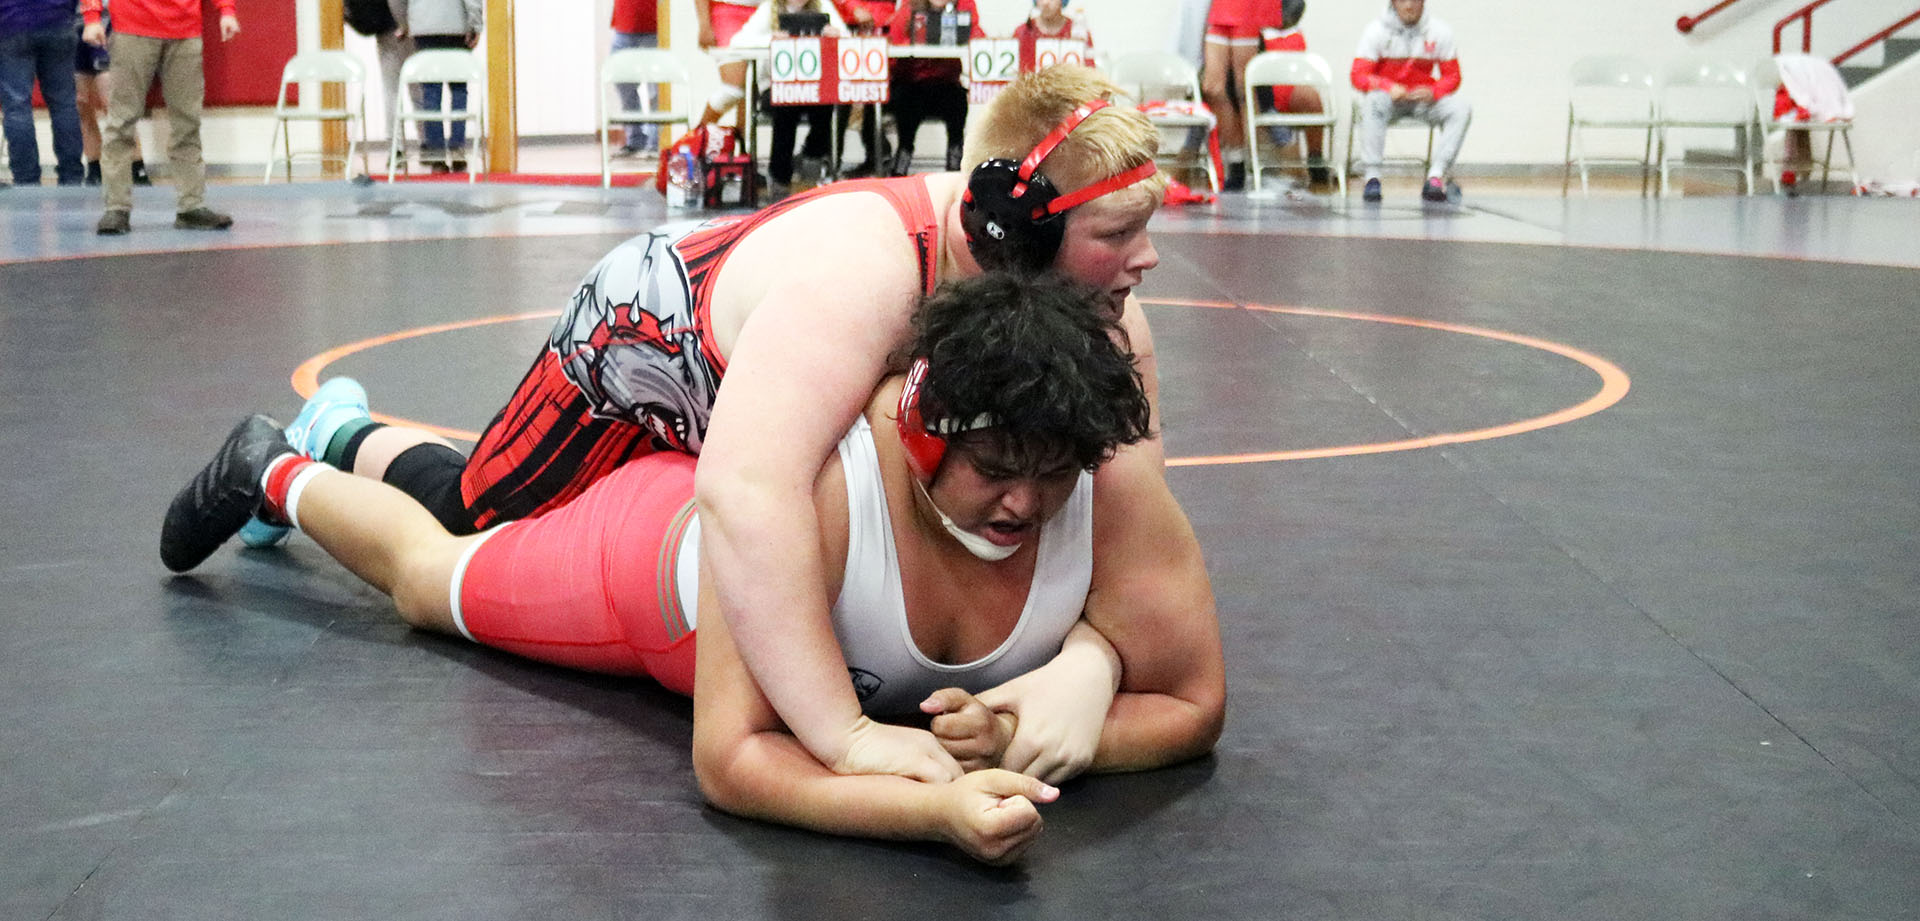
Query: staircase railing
{"points": [[1686, 23], [1877, 36], [1805, 15]]}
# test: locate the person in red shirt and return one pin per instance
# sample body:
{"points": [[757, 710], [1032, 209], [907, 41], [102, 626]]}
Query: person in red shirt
{"points": [[867, 16], [1049, 20], [156, 38], [931, 86]]}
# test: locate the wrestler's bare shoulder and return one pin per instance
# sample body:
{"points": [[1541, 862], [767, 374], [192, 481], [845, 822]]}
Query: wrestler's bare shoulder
{"points": [[833, 229], [851, 244]]}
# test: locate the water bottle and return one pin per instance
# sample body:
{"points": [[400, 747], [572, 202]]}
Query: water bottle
{"points": [[696, 183], [949, 26], [680, 177]]}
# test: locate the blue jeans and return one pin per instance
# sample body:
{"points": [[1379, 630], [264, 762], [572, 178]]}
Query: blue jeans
{"points": [[46, 54], [639, 137], [433, 135]]}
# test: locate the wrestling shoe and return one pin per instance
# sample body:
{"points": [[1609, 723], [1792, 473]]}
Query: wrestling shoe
{"points": [[1371, 194], [223, 495], [337, 402], [1435, 190]]}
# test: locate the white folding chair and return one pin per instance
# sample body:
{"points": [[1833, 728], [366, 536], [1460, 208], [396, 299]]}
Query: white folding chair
{"points": [[317, 67], [1406, 121], [1155, 75], [1703, 93], [652, 66], [1610, 92], [1291, 68], [1765, 80], [439, 65]]}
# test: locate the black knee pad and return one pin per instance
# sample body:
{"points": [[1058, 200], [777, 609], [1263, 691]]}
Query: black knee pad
{"points": [[430, 473]]}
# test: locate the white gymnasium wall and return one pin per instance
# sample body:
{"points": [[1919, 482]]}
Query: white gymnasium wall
{"points": [[1514, 56], [1891, 150]]}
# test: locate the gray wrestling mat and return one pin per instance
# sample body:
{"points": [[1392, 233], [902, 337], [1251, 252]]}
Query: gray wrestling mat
{"points": [[1654, 659]]}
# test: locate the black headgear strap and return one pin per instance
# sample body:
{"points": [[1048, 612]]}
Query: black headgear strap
{"points": [[1012, 214]]}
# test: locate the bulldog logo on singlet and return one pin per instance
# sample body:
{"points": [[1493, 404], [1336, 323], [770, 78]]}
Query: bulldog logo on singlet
{"points": [[629, 342], [865, 683]]}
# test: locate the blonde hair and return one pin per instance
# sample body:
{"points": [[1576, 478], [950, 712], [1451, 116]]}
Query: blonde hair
{"points": [[1111, 141]]}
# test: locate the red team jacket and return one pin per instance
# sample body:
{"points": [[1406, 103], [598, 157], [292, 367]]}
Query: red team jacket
{"points": [[1392, 52]]}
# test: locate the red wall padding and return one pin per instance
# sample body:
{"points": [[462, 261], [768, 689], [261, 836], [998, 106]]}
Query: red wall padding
{"points": [[246, 71]]}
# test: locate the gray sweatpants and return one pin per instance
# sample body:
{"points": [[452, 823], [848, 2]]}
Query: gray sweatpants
{"points": [[1451, 113]]}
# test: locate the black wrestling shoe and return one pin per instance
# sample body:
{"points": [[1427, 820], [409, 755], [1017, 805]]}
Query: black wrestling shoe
{"points": [[223, 495]]}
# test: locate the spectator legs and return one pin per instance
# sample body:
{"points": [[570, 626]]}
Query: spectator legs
{"points": [[1453, 114], [1376, 110]]}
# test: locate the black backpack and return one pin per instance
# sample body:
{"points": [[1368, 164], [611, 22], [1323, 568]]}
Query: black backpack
{"points": [[370, 17]]}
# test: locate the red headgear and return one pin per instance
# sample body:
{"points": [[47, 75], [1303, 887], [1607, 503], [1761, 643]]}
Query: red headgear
{"points": [[926, 447]]}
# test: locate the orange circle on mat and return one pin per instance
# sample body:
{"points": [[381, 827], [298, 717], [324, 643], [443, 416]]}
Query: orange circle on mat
{"points": [[1614, 382]]}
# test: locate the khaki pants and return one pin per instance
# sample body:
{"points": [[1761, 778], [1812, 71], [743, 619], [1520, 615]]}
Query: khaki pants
{"points": [[136, 61]]}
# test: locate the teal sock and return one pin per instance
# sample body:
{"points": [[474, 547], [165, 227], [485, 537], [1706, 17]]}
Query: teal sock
{"points": [[344, 438]]}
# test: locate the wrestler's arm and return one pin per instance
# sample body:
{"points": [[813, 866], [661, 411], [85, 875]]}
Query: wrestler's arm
{"points": [[747, 764], [840, 279], [1152, 600], [1140, 340], [1045, 723]]}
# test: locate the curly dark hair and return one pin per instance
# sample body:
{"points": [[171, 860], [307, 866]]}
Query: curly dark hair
{"points": [[1043, 356]]}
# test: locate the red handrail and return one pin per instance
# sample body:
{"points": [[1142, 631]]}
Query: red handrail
{"points": [[1686, 23], [1883, 33], [1806, 33]]}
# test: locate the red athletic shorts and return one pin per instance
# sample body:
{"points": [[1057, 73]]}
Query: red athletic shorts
{"points": [[1238, 22], [595, 584], [1248, 36], [727, 20]]}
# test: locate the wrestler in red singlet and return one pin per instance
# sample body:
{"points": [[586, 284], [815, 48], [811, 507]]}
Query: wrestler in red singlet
{"points": [[632, 367]]}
